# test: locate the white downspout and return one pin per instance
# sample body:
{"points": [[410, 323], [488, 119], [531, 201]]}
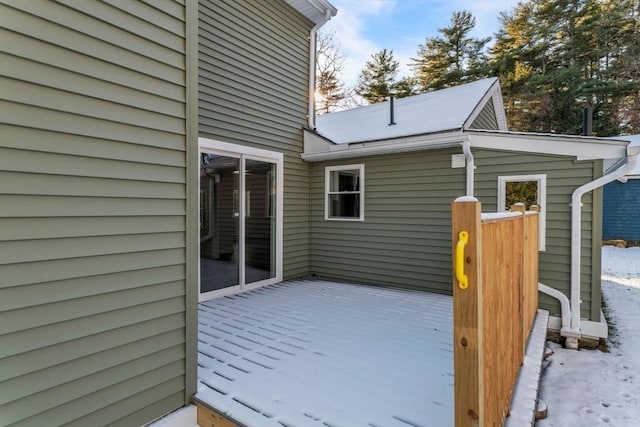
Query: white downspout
{"points": [[576, 231], [565, 309], [311, 114], [469, 160]]}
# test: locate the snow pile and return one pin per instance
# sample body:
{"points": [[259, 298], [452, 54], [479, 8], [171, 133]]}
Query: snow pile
{"points": [[525, 394], [592, 388]]}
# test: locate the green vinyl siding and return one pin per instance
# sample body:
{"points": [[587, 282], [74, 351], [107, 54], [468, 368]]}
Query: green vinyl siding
{"points": [[94, 147], [596, 246], [486, 119], [564, 175], [253, 91], [405, 238]]}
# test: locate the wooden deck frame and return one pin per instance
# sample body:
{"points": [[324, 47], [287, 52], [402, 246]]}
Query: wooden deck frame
{"points": [[207, 417], [500, 261]]}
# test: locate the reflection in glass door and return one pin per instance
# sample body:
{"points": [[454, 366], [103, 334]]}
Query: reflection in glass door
{"points": [[219, 222], [239, 221], [259, 221]]}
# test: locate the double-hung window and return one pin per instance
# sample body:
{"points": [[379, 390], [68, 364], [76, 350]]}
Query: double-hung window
{"points": [[344, 193]]}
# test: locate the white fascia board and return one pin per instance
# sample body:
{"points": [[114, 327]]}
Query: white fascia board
{"points": [[494, 96], [392, 146], [314, 10], [498, 106], [582, 148]]}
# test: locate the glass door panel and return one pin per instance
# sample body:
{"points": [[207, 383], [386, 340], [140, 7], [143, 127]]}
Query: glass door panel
{"points": [[260, 220], [219, 222]]}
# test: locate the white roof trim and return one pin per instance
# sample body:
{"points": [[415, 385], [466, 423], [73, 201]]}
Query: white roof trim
{"points": [[493, 95], [498, 106], [582, 148], [314, 10], [392, 146], [632, 149]]}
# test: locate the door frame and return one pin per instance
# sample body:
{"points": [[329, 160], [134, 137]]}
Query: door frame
{"points": [[243, 153]]}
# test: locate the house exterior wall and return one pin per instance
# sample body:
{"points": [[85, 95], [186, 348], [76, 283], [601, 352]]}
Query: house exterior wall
{"points": [[405, 238], [253, 90], [620, 210], [564, 175], [96, 312]]}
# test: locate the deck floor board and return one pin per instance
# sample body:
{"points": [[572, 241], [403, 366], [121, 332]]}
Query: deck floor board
{"points": [[319, 353]]}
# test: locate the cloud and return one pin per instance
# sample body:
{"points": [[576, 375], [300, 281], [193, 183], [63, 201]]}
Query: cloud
{"points": [[360, 27], [349, 26]]}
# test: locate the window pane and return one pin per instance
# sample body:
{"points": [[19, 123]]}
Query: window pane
{"points": [[260, 221], [521, 191], [344, 205], [346, 180], [219, 222]]}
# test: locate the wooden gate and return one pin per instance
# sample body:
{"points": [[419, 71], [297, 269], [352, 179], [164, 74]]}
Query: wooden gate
{"points": [[495, 298]]}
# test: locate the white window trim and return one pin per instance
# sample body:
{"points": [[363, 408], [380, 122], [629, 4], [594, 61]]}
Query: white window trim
{"points": [[542, 201], [327, 177], [243, 152]]}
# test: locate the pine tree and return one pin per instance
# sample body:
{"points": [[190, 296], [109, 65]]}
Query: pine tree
{"points": [[376, 81], [404, 87], [452, 58], [620, 20], [518, 56], [330, 90], [556, 57]]}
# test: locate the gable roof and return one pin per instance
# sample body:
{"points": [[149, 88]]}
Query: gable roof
{"points": [[448, 109], [471, 114]]}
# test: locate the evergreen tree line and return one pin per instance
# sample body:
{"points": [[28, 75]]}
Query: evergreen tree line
{"points": [[553, 58]]}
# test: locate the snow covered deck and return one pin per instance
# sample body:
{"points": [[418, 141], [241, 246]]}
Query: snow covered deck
{"points": [[317, 353]]}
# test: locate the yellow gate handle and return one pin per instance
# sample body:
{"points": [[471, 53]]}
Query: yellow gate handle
{"points": [[463, 280]]}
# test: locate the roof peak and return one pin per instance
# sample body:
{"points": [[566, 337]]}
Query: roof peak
{"points": [[436, 111]]}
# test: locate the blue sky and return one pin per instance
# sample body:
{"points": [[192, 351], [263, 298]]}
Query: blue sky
{"points": [[364, 27]]}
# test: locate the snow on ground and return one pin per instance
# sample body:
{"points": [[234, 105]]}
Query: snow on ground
{"points": [[592, 388]]}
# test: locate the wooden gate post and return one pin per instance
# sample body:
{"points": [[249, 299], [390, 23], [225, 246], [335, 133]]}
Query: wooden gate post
{"points": [[467, 309]]}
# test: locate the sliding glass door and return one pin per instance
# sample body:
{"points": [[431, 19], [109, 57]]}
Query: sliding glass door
{"points": [[259, 221], [219, 222], [240, 219]]}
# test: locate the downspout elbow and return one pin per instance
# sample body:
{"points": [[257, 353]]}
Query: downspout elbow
{"points": [[565, 309]]}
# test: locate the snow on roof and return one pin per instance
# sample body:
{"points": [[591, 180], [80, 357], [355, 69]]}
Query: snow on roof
{"points": [[317, 353], [442, 110]]}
